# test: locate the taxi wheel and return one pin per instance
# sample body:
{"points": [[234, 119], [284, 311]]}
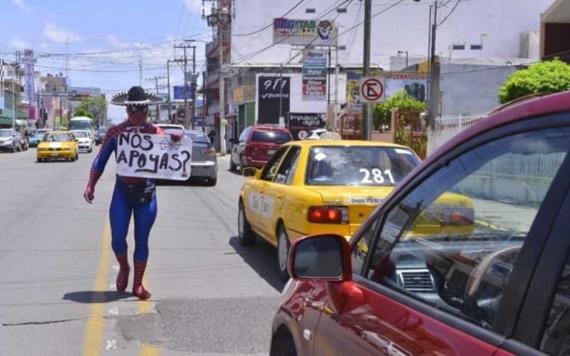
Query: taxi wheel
{"points": [[246, 235], [283, 246]]}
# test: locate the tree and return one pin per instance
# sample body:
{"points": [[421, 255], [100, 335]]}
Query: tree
{"points": [[400, 100], [544, 77], [94, 107]]}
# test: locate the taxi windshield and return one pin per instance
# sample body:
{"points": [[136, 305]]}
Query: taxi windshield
{"points": [[63, 137], [352, 165]]}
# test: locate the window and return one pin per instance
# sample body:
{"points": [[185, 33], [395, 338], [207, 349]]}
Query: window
{"points": [[279, 137], [476, 47], [271, 166], [286, 170], [341, 10], [310, 10], [556, 339], [359, 165], [458, 47], [362, 246], [454, 240]]}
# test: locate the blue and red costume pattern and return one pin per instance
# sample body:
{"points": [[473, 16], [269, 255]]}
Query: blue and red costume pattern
{"points": [[121, 207]]}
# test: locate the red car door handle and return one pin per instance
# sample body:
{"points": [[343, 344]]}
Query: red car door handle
{"points": [[320, 306]]}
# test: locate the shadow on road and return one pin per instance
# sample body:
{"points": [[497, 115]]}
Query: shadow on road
{"points": [[262, 258], [88, 297]]}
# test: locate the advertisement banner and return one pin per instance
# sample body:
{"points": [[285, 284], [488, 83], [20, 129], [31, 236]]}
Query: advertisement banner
{"points": [[182, 92], [153, 156], [415, 84], [28, 62], [315, 76], [273, 94], [301, 124], [304, 32]]}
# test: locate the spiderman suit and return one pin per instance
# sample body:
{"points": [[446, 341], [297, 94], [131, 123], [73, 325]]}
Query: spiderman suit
{"points": [[131, 196]]}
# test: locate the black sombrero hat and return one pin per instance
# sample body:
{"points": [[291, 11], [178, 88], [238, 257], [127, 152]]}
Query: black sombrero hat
{"points": [[135, 96]]}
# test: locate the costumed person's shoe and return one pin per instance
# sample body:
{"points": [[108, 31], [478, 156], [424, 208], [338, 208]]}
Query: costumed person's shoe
{"points": [[138, 288], [123, 275]]}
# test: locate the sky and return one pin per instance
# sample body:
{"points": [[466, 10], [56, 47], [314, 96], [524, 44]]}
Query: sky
{"points": [[103, 41]]}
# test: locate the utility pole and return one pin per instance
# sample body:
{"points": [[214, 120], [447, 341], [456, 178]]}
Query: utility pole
{"points": [[155, 79], [433, 69], [168, 90], [185, 64], [205, 99], [366, 110]]}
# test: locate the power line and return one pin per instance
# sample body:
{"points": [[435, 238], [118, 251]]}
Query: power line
{"points": [[450, 12]]}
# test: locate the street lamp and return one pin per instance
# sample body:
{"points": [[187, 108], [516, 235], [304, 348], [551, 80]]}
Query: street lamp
{"points": [[406, 52]]}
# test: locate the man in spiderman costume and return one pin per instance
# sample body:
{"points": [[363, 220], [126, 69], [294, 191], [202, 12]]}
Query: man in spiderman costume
{"points": [[131, 196]]}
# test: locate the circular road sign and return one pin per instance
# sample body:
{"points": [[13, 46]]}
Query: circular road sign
{"points": [[372, 90]]}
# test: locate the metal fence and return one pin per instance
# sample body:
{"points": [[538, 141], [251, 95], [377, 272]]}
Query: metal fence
{"points": [[448, 126]]}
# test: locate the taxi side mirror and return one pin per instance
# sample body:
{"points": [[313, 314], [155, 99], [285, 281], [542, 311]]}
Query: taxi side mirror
{"points": [[251, 172], [321, 258]]}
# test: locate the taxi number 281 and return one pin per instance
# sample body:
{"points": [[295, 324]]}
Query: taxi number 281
{"points": [[376, 176]]}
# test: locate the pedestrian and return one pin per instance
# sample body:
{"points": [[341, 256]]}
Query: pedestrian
{"points": [[131, 196], [212, 136]]}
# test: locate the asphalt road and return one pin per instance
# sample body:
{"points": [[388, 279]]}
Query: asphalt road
{"points": [[210, 296]]}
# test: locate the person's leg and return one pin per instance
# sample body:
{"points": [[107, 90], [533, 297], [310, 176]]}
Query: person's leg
{"points": [[120, 216], [145, 216]]}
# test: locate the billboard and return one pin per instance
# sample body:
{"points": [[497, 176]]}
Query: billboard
{"points": [[273, 98], [301, 124], [182, 92], [413, 83], [28, 62], [304, 32], [315, 76]]}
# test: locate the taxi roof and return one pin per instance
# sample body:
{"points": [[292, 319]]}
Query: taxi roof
{"points": [[313, 143]]}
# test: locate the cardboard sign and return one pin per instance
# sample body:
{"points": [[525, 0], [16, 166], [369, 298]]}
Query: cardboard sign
{"points": [[153, 156]]}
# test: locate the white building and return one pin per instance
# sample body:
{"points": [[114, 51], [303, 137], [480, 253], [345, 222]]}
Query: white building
{"points": [[475, 28]]}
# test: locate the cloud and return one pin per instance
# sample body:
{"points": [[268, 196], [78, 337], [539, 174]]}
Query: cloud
{"points": [[115, 42], [18, 43], [194, 5], [21, 5], [56, 34]]}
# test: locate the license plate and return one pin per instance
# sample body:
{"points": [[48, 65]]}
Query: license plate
{"points": [[270, 152], [54, 154]]}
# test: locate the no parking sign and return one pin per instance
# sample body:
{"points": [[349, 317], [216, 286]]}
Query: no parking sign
{"points": [[372, 89]]}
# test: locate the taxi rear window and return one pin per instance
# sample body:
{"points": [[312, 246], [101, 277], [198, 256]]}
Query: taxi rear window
{"points": [[359, 165]]}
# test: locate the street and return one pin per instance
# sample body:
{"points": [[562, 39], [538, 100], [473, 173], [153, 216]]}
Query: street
{"points": [[210, 296]]}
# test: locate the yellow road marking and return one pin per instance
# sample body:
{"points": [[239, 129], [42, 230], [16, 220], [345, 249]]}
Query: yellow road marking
{"points": [[94, 329], [149, 350], [145, 307]]}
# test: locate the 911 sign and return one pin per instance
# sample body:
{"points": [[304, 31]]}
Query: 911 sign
{"points": [[372, 89]]}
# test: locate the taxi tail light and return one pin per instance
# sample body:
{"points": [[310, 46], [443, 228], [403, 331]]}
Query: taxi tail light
{"points": [[461, 216], [328, 215]]}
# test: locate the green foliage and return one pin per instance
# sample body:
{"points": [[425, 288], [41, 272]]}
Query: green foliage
{"points": [[544, 77], [400, 100], [93, 107]]}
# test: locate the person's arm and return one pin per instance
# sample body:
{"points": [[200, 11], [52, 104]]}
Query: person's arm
{"points": [[99, 163]]}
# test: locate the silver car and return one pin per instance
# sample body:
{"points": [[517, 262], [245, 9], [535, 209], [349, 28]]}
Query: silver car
{"points": [[204, 161], [11, 140]]}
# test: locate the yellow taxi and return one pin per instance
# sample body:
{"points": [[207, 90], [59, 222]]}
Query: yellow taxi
{"points": [[318, 186], [57, 145]]}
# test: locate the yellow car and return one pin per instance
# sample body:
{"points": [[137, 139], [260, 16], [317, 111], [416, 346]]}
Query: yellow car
{"points": [[318, 186], [57, 145]]}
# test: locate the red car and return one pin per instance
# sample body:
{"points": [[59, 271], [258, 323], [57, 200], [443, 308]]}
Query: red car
{"points": [[501, 288], [256, 144]]}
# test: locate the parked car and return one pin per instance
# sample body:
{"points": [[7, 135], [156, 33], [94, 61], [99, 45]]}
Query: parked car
{"points": [[204, 161], [100, 135], [256, 144], [500, 289], [311, 187], [36, 138], [84, 140], [11, 140], [57, 145], [172, 129]]}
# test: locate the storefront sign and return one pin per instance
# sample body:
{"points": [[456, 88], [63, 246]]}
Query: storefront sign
{"points": [[153, 156], [304, 32], [315, 76], [301, 124], [273, 98]]}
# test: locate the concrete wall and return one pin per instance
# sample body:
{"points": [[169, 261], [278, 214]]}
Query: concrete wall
{"points": [[470, 88]]}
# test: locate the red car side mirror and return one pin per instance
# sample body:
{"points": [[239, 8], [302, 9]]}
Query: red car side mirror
{"points": [[321, 258]]}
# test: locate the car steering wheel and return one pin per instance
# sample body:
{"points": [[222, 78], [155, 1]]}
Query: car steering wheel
{"points": [[475, 281]]}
